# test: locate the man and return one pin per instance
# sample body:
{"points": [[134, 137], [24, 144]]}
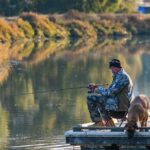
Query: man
{"points": [[113, 101]]}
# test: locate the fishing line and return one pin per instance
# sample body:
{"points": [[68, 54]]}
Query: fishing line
{"points": [[55, 90]]}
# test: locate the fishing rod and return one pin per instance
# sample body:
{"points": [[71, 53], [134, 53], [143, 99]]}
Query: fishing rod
{"points": [[50, 90], [62, 89]]}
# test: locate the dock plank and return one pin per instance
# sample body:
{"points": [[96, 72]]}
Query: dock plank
{"points": [[92, 137], [106, 138]]}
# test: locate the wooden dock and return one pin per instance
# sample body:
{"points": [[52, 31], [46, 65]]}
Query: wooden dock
{"points": [[94, 138]]}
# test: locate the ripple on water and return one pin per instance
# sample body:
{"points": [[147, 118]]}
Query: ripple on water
{"points": [[57, 143]]}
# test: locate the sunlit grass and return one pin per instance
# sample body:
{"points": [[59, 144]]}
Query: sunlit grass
{"points": [[5, 30], [43, 27], [72, 24], [79, 28], [9, 31], [108, 27], [25, 27]]}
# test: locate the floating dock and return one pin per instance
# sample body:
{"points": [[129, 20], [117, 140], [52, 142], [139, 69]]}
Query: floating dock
{"points": [[94, 138]]}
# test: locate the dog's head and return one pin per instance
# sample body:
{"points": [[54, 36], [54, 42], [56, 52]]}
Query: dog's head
{"points": [[130, 127]]}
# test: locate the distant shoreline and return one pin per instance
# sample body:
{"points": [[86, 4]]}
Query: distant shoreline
{"points": [[73, 24]]}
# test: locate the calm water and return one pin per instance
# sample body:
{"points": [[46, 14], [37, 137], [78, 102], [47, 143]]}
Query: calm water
{"points": [[34, 115]]}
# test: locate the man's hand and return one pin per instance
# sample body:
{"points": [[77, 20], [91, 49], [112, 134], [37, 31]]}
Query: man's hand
{"points": [[91, 87]]}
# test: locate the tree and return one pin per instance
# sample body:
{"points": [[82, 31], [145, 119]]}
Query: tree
{"points": [[15, 7]]}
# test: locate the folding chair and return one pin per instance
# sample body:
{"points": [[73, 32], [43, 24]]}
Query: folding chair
{"points": [[119, 115]]}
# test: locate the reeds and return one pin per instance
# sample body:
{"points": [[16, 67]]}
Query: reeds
{"points": [[43, 27]]}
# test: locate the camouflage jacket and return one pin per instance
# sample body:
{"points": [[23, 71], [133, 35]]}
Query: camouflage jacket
{"points": [[120, 81]]}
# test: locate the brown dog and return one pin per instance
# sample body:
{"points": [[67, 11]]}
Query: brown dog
{"points": [[137, 113]]}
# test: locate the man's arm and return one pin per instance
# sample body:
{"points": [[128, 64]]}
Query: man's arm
{"points": [[118, 84]]}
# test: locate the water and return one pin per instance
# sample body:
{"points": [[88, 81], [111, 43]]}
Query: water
{"points": [[33, 120]]}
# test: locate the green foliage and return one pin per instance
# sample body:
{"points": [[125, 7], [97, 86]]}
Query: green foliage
{"points": [[103, 27], [112, 6], [101, 6], [128, 6], [9, 31], [16, 7], [43, 27], [79, 28], [27, 50], [72, 24], [25, 27], [12, 7]]}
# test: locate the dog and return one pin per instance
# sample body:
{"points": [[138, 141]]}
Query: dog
{"points": [[137, 113]]}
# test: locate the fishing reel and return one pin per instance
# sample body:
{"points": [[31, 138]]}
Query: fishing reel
{"points": [[91, 87]]}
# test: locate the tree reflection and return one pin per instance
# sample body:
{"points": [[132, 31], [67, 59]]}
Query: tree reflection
{"points": [[4, 130]]}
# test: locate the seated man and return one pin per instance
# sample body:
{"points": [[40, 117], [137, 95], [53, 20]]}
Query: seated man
{"points": [[113, 101]]}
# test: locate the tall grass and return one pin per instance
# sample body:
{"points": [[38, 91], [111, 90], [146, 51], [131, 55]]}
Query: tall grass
{"points": [[78, 28], [43, 27], [9, 31], [25, 27], [73, 24]]}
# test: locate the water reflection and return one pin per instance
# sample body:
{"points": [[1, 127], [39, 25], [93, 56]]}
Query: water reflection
{"points": [[39, 119], [4, 131]]}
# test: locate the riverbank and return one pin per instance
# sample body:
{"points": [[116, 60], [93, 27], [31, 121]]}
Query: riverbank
{"points": [[72, 24]]}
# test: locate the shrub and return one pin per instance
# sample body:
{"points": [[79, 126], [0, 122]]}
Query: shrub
{"points": [[9, 31], [80, 28], [43, 26], [25, 27], [137, 24], [5, 30]]}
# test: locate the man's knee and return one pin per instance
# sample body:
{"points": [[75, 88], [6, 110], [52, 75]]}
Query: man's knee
{"points": [[111, 104], [95, 99]]}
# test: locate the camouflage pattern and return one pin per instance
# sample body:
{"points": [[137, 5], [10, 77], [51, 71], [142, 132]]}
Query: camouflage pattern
{"points": [[120, 80], [96, 105], [105, 99]]}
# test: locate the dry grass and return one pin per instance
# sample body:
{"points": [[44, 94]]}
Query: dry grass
{"points": [[78, 28], [43, 27], [5, 30], [9, 31], [73, 24], [25, 27]]}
